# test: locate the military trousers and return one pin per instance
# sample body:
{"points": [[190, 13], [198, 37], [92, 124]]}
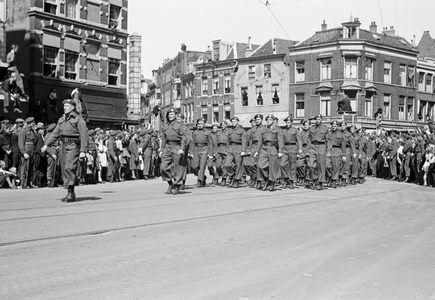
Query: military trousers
{"points": [[173, 165], [317, 162], [220, 162], [26, 165], [268, 164], [69, 155], [233, 162], [336, 160], [147, 159], [287, 162], [199, 161]]}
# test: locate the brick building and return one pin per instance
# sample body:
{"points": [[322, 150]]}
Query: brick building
{"points": [[66, 44], [374, 70], [425, 78]]}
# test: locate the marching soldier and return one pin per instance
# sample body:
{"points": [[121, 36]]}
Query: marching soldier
{"points": [[269, 149], [253, 137], [317, 153], [222, 143], [349, 150], [52, 155], [301, 163], [363, 149], [211, 162], [201, 149], [292, 147], [174, 144], [355, 154], [335, 152], [71, 129], [233, 162]]}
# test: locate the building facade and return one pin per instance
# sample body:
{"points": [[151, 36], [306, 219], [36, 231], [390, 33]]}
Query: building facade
{"points": [[375, 71], [134, 76], [65, 44], [425, 78]]}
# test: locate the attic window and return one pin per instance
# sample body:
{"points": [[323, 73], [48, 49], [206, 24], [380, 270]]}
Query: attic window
{"points": [[377, 37]]}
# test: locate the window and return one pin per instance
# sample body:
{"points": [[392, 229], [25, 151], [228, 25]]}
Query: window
{"points": [[300, 105], [50, 62], [402, 115], [411, 75], [410, 109], [113, 71], [429, 83], [368, 104], [204, 86], [387, 107], [50, 6], [325, 103], [71, 9], [227, 84], [369, 69], [216, 48], [216, 85], [244, 93], [114, 17], [267, 71], [402, 74], [352, 95], [251, 72], [325, 69], [227, 109], [259, 93], [204, 111], [350, 67], [275, 93], [71, 59], [387, 72], [215, 114], [300, 71], [421, 81]]}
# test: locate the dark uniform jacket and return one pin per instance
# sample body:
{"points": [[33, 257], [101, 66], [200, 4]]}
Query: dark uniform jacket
{"points": [[177, 132]]}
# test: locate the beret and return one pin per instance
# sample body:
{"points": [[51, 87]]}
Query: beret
{"points": [[97, 129], [319, 116], [40, 125], [30, 119], [269, 116], [288, 119], [235, 118], [51, 127], [258, 116], [304, 121], [19, 120], [155, 134], [334, 122], [172, 110], [69, 101], [200, 119], [112, 132], [91, 132]]}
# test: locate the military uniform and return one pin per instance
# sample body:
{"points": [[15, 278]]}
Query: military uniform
{"points": [[336, 149], [52, 157], [221, 145], [71, 130], [301, 164], [292, 143], [237, 144], [201, 147], [317, 152], [26, 143]]}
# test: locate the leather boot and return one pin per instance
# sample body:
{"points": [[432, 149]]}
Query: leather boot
{"points": [[272, 186], [231, 182], [333, 184], [215, 181], [176, 190], [183, 185], [291, 185], [224, 182], [199, 184], [352, 182], [236, 184], [169, 191], [203, 182], [266, 184], [319, 186], [258, 185], [285, 184], [70, 196], [313, 185]]}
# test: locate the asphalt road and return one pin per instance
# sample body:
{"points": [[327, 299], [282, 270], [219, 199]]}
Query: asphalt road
{"points": [[131, 241]]}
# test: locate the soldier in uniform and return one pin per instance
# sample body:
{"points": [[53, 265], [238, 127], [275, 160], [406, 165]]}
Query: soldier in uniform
{"points": [[201, 149], [247, 158], [252, 143], [269, 149], [52, 156], [222, 144], [26, 144], [211, 162], [301, 163], [71, 129], [174, 144], [317, 153], [112, 157], [233, 162], [292, 147], [349, 150], [355, 154], [335, 152], [363, 149]]}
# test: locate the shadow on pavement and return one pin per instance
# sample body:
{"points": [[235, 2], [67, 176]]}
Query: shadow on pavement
{"points": [[79, 199]]}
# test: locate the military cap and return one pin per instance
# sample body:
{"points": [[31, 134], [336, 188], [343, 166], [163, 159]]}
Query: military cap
{"points": [[19, 120], [304, 121], [342, 123], [275, 118], [252, 120], [288, 119], [97, 129], [142, 132], [91, 132], [200, 119], [258, 116], [5, 121], [181, 116], [69, 101], [334, 122], [268, 117], [113, 132], [40, 125], [318, 116], [51, 127], [235, 118], [30, 120], [223, 123]]}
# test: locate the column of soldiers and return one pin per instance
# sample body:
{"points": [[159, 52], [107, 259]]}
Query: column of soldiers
{"points": [[264, 157]]}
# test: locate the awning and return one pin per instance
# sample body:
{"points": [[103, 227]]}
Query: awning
{"points": [[370, 87], [324, 87], [350, 85]]}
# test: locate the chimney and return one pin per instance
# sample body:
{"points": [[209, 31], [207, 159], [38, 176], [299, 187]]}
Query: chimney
{"points": [[373, 27], [324, 26], [389, 32], [273, 46], [249, 43], [248, 50]]}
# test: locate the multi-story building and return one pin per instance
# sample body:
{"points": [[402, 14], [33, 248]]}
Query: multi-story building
{"points": [[135, 78], [65, 44], [425, 78], [374, 70]]}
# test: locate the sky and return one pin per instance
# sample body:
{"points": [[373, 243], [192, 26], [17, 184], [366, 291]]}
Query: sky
{"points": [[165, 24]]}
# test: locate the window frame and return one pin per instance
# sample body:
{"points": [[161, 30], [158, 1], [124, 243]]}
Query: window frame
{"points": [[68, 73], [259, 95], [300, 71], [327, 66], [110, 75], [387, 75], [251, 72], [348, 65], [46, 63], [267, 71], [244, 91], [299, 112]]}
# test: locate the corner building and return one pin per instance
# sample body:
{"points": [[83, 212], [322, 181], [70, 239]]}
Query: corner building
{"points": [[65, 44]]}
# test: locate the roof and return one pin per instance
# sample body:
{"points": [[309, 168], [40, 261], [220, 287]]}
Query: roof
{"points": [[335, 34], [239, 50], [281, 46]]}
